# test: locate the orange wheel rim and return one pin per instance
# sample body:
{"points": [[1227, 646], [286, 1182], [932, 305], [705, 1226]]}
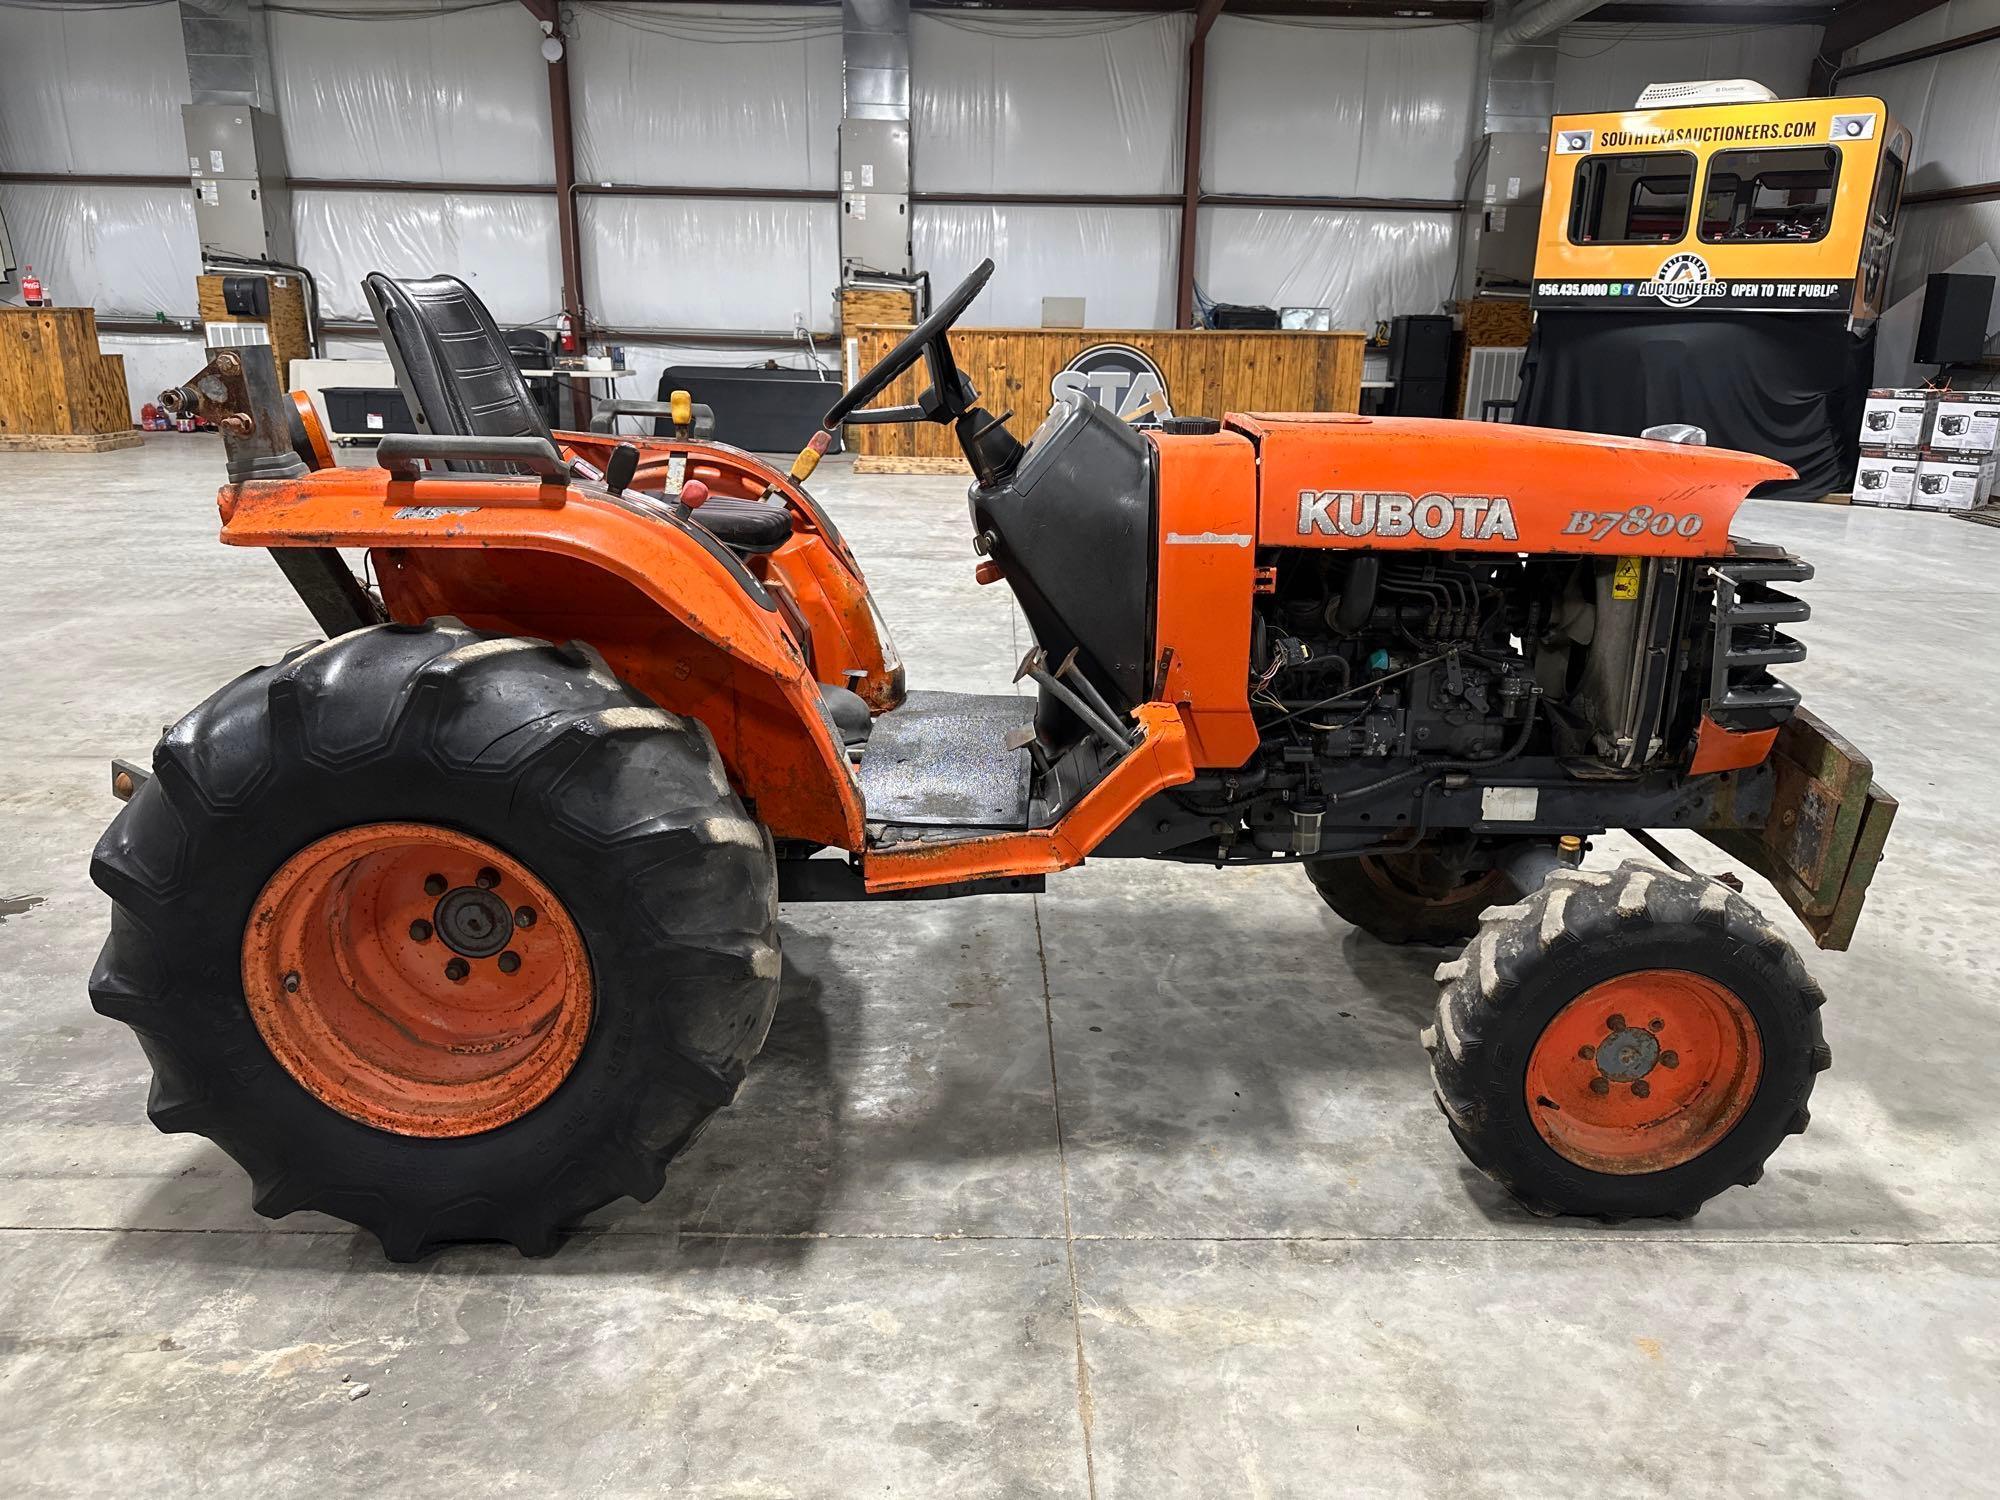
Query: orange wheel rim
{"points": [[1644, 1072], [416, 979]]}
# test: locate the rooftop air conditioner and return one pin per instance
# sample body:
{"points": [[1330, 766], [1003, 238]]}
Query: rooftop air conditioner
{"points": [[1704, 91]]}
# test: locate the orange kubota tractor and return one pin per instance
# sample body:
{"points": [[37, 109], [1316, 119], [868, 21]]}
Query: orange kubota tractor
{"points": [[462, 922]]}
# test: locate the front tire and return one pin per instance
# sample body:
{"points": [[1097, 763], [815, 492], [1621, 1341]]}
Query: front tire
{"points": [[1625, 1044], [301, 936]]}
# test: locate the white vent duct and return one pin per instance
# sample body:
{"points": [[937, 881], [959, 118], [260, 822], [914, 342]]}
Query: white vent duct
{"points": [[1538, 20]]}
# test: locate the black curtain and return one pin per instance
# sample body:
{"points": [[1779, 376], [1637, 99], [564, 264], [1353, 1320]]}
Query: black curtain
{"points": [[1787, 385]]}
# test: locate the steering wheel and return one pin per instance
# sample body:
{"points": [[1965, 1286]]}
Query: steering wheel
{"points": [[931, 340]]}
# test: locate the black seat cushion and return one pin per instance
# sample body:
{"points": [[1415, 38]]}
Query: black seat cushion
{"points": [[849, 713], [751, 525], [452, 362]]}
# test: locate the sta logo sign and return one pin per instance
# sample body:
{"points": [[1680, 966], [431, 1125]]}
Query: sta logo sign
{"points": [[1118, 378]]}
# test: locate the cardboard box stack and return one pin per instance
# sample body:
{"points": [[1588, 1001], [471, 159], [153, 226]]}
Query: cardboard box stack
{"points": [[1957, 468], [1894, 424], [1928, 450]]}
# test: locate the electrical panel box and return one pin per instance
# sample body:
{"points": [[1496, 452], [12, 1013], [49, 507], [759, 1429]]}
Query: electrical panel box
{"points": [[1510, 214], [875, 195], [236, 163]]}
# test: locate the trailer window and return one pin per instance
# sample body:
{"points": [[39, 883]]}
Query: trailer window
{"points": [[1781, 194], [1632, 200]]}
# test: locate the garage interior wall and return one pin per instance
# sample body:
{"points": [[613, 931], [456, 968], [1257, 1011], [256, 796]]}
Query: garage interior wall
{"points": [[746, 100], [1951, 103]]}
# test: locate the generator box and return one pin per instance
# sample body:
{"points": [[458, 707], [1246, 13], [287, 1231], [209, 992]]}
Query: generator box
{"points": [[1946, 481], [1886, 476], [1896, 418], [1966, 422]]}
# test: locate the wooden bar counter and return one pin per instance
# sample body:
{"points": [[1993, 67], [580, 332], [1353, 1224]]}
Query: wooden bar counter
{"points": [[58, 394], [1207, 371]]}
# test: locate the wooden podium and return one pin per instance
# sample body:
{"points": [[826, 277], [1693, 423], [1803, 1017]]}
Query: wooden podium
{"points": [[58, 394]]}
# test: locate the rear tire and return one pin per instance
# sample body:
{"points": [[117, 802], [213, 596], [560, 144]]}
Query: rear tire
{"points": [[1407, 898], [619, 813], [1625, 1044]]}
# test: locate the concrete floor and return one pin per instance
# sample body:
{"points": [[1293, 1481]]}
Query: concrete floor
{"points": [[1134, 1189]]}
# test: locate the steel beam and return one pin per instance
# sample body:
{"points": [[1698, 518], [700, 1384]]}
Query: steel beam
{"points": [[1197, 77], [549, 13]]}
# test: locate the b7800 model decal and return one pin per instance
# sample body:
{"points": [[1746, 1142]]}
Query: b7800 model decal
{"points": [[1471, 518], [1639, 520]]}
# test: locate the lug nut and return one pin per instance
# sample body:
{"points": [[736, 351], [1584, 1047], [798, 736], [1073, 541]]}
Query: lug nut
{"points": [[488, 878], [420, 930], [456, 970], [292, 982], [1670, 1059], [509, 961], [434, 885], [1614, 1023], [525, 917], [1600, 1085], [1586, 1052], [1641, 1088]]}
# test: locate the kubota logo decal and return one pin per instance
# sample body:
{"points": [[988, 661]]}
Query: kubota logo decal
{"points": [[1472, 518]]}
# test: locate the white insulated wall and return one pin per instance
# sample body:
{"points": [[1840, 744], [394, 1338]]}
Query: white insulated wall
{"points": [[1951, 103], [749, 97]]}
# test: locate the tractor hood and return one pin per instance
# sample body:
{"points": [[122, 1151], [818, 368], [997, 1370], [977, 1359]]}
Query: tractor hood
{"points": [[1420, 483]]}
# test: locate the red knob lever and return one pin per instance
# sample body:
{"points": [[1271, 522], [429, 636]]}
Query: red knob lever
{"points": [[693, 493]]}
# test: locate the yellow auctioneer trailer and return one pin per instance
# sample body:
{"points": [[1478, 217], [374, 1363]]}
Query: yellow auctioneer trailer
{"points": [[1781, 205], [1717, 256]]}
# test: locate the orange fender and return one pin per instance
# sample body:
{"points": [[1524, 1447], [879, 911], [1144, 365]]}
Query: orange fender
{"points": [[672, 618], [815, 570]]}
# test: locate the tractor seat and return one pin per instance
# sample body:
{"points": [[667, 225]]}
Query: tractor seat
{"points": [[746, 525], [454, 368]]}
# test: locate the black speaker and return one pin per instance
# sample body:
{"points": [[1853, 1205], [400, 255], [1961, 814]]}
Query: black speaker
{"points": [[1953, 329], [1419, 396], [1238, 315], [1419, 347]]}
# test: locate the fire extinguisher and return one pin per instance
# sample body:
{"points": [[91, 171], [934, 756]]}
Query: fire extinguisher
{"points": [[565, 335], [31, 288]]}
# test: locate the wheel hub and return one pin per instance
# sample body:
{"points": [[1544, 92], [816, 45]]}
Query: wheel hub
{"points": [[1627, 1055], [474, 922]]}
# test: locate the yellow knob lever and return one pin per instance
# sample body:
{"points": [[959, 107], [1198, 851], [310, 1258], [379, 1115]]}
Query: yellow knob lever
{"points": [[683, 407], [809, 456]]}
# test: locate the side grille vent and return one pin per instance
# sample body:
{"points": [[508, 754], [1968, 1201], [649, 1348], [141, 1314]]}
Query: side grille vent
{"points": [[1743, 695]]}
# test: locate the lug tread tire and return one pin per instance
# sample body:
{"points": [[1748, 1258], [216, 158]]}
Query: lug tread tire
{"points": [[1498, 995], [621, 807]]}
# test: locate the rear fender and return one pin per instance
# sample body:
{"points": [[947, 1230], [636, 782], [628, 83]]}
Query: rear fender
{"points": [[815, 568], [672, 612]]}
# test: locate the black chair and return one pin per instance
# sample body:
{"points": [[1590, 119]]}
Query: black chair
{"points": [[460, 380], [532, 350]]}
